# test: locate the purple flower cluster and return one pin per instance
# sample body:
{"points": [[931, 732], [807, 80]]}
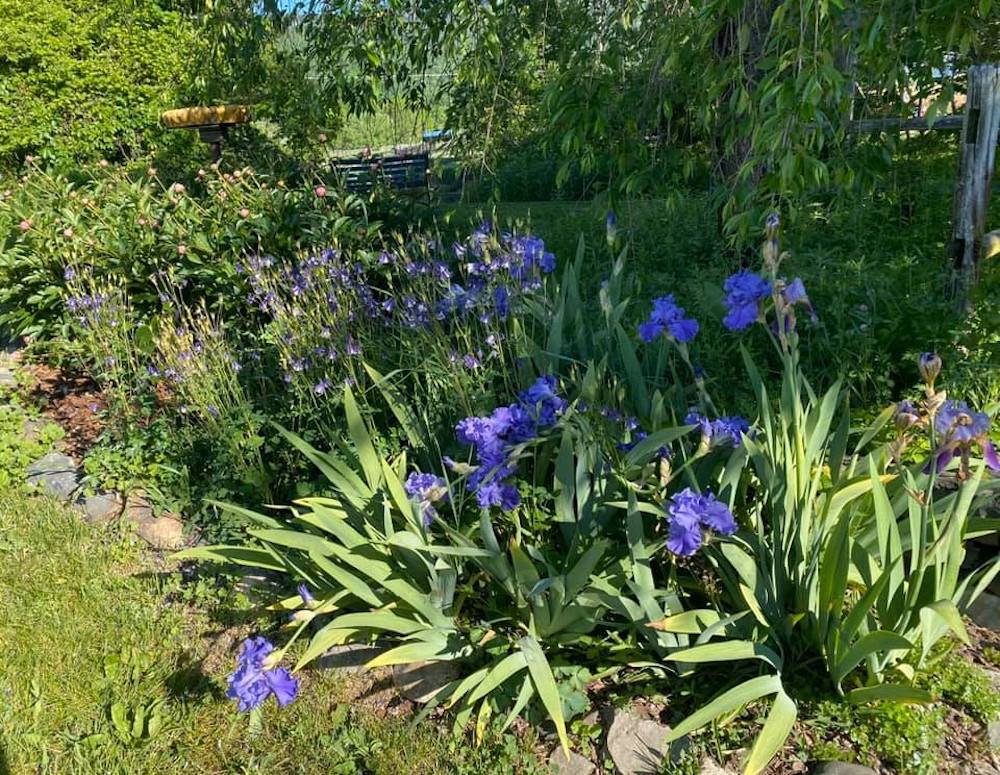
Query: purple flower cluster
{"points": [[689, 513], [667, 317], [744, 292], [251, 683], [426, 490], [722, 430], [326, 305], [494, 437]]}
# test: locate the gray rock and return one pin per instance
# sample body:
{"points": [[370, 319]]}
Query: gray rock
{"points": [[101, 508], [993, 735], [350, 658], [163, 532], [420, 681], [7, 378], [841, 768], [637, 746], [572, 764], [56, 474], [985, 611], [137, 508]]}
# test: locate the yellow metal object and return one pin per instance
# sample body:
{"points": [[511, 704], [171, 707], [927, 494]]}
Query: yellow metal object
{"points": [[991, 244], [186, 118]]}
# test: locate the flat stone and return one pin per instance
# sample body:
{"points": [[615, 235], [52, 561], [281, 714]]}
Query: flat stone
{"points": [[985, 611], [638, 746], [7, 378], [572, 764], [137, 508], [993, 735], [349, 659], [32, 429], [841, 768], [56, 475], [420, 681], [163, 532], [101, 508]]}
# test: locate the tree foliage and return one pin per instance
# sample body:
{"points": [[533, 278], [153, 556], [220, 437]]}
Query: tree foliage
{"points": [[758, 94]]}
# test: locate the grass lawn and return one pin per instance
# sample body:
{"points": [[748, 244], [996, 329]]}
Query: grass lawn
{"points": [[93, 630]]}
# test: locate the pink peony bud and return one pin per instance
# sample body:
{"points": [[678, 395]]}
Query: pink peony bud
{"points": [[178, 188], [182, 250], [67, 233], [244, 213], [320, 191], [25, 224], [103, 164]]}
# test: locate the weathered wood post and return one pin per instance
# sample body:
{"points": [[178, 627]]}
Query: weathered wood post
{"points": [[980, 127]]}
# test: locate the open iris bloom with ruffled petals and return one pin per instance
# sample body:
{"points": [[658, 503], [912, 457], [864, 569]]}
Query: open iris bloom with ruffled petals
{"points": [[668, 318], [252, 682], [689, 513], [958, 429]]}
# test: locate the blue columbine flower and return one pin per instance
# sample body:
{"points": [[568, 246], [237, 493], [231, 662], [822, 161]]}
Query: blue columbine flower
{"points": [[250, 684], [744, 291], [667, 316], [688, 513]]}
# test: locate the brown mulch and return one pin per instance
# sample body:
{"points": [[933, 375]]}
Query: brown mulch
{"points": [[71, 400]]}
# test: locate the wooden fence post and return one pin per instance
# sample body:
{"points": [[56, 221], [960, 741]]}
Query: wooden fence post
{"points": [[980, 127]]}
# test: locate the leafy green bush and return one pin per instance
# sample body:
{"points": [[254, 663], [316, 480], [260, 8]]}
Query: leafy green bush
{"points": [[148, 235], [80, 81]]}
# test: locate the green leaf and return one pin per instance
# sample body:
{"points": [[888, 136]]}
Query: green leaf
{"points": [[545, 685], [506, 668], [235, 555], [726, 651], [875, 642], [891, 692], [738, 696], [772, 737], [362, 439]]}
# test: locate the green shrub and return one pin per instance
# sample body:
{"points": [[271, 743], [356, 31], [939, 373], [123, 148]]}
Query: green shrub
{"points": [[80, 81]]}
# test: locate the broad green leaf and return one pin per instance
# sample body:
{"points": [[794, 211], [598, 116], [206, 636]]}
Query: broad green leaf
{"points": [[772, 737], [726, 651], [876, 642], [362, 440], [891, 692], [236, 555], [688, 623], [545, 685], [506, 668], [745, 693]]}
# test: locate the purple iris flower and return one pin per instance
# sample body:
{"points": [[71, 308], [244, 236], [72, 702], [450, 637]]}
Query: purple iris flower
{"points": [[493, 438], [689, 512], [667, 316], [250, 684], [744, 291], [722, 430], [959, 428], [426, 489], [305, 594]]}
